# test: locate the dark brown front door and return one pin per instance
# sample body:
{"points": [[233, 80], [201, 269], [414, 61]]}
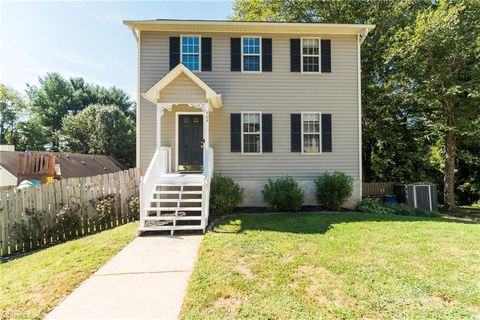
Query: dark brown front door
{"points": [[190, 136]]}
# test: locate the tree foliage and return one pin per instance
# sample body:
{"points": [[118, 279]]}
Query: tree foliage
{"points": [[69, 115], [57, 97], [100, 129]]}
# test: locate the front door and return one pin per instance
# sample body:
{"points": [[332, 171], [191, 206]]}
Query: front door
{"points": [[190, 137]]}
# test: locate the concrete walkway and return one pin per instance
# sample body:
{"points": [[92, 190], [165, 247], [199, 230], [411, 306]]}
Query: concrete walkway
{"points": [[146, 280]]}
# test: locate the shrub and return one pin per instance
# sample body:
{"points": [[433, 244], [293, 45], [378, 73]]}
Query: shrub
{"points": [[225, 195], [106, 208], [67, 220], [333, 189], [476, 204], [283, 195], [374, 205], [134, 208]]}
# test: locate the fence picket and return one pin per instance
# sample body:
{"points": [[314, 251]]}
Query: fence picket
{"points": [[47, 199]]}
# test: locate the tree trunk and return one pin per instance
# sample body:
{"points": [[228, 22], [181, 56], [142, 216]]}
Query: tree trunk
{"points": [[449, 175]]}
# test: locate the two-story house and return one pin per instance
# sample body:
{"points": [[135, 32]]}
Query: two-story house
{"points": [[248, 100]]}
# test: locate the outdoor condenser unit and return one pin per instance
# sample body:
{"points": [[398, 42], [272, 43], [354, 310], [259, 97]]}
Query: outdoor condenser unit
{"points": [[418, 195]]}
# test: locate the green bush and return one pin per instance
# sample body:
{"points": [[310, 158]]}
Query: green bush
{"points": [[225, 195], [106, 209], [374, 205], [333, 189], [67, 220], [134, 208], [283, 195]]}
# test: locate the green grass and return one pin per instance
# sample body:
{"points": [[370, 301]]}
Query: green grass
{"points": [[336, 266], [32, 285]]}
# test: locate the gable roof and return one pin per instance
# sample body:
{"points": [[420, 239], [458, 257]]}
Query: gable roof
{"points": [[72, 165], [154, 93]]}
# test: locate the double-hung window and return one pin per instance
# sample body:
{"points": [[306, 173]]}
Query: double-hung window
{"points": [[311, 132], [310, 55], [190, 52], [251, 132], [251, 54]]}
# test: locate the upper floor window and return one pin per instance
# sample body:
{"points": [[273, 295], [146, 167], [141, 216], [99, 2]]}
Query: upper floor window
{"points": [[311, 132], [251, 54], [310, 55], [251, 132], [190, 52]]}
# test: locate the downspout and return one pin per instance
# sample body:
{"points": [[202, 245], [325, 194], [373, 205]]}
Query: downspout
{"points": [[137, 113], [360, 39]]}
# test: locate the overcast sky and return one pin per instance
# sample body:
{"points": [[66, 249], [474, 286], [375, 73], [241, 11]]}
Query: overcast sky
{"points": [[83, 39]]}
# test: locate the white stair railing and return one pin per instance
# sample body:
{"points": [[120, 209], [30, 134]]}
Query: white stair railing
{"points": [[159, 165], [206, 189]]}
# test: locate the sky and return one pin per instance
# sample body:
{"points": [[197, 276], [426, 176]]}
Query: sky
{"points": [[83, 39]]}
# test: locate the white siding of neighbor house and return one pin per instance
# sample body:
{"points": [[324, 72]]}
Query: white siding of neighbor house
{"points": [[279, 92]]}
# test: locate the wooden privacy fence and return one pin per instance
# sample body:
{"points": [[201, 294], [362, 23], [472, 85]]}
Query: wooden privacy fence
{"points": [[377, 189], [50, 213]]}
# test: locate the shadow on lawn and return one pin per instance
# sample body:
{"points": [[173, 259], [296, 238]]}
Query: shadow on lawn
{"points": [[310, 223]]}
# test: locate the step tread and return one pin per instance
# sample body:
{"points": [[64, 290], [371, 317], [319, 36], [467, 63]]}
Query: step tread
{"points": [[174, 209], [173, 218], [180, 184], [177, 192], [176, 200], [161, 228]]}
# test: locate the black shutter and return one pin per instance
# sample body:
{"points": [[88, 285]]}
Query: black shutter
{"points": [[267, 132], [206, 54], [296, 132], [235, 132], [174, 52], [235, 54], [266, 54], [326, 56], [326, 132], [295, 55]]}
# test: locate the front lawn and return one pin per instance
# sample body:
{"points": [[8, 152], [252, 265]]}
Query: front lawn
{"points": [[33, 284], [336, 266]]}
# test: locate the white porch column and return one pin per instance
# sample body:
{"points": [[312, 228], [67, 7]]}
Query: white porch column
{"points": [[160, 108], [206, 135]]}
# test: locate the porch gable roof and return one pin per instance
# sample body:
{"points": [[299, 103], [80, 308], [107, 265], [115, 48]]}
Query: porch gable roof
{"points": [[154, 93]]}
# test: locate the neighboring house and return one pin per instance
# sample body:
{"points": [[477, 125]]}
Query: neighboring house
{"points": [[69, 165], [270, 99]]}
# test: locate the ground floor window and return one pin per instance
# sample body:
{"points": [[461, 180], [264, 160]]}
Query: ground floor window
{"points": [[311, 132], [251, 132]]}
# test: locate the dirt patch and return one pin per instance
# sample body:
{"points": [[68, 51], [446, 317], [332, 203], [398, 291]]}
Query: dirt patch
{"points": [[323, 286], [244, 269], [231, 304]]}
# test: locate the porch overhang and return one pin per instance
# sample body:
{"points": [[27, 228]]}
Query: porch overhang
{"points": [[154, 93]]}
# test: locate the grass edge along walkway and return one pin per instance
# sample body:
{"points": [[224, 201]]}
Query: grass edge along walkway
{"points": [[33, 284]]}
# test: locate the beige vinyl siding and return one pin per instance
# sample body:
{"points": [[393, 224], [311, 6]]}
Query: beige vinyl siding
{"points": [[279, 92]]}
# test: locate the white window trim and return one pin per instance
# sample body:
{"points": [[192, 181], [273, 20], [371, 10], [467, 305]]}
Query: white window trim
{"points": [[311, 55], [252, 54], [242, 133], [199, 51], [319, 133]]}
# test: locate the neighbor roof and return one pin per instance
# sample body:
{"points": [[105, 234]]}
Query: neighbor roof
{"points": [[72, 165], [247, 27]]}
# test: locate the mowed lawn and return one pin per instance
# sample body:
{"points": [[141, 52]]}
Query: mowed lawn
{"points": [[33, 284], [336, 266]]}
